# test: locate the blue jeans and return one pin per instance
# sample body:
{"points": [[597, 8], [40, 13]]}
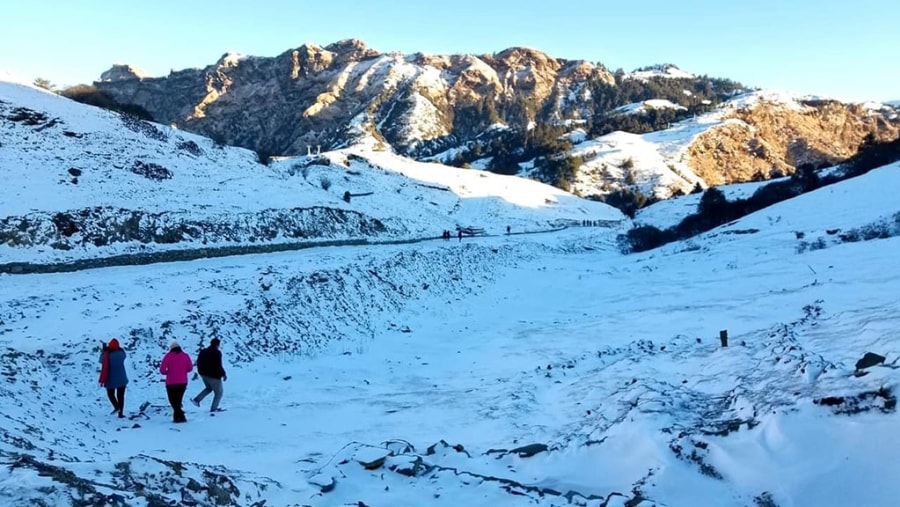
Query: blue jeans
{"points": [[211, 385]]}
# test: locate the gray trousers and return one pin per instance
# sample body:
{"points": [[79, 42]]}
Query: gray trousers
{"points": [[211, 385]]}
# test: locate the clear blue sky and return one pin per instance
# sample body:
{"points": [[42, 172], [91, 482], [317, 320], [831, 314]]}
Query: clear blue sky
{"points": [[841, 48]]}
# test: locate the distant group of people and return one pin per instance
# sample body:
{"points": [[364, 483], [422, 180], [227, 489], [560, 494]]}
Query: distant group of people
{"points": [[446, 235], [175, 365]]}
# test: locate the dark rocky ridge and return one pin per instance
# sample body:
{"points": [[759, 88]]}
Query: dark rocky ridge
{"points": [[309, 95]]}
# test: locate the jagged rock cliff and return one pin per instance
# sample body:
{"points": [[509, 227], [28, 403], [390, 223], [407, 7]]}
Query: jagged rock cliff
{"points": [[773, 139], [334, 95]]}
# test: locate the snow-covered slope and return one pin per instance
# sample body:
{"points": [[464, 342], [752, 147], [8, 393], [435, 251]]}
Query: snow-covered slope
{"points": [[644, 106], [659, 71], [861, 208], [722, 145], [83, 182], [659, 160], [670, 212], [541, 369], [649, 163], [60, 155]]}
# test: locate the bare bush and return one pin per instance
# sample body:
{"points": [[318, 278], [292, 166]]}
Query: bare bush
{"points": [[151, 171]]}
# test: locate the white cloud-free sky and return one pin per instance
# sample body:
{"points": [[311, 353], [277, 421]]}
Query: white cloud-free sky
{"points": [[835, 48]]}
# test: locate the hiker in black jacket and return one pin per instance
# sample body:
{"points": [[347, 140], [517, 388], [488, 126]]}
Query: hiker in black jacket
{"points": [[209, 366]]}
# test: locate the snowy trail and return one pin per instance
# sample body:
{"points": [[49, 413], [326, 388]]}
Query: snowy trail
{"points": [[193, 254]]}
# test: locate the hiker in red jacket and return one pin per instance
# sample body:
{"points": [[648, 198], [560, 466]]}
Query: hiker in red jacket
{"points": [[113, 376], [175, 366]]}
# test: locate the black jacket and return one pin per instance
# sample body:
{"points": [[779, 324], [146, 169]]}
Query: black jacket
{"points": [[209, 363]]}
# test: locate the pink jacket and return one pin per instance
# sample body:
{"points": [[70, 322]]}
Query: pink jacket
{"points": [[175, 366]]}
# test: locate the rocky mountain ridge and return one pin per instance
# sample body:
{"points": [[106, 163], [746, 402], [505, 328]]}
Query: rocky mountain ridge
{"points": [[329, 96], [499, 111]]}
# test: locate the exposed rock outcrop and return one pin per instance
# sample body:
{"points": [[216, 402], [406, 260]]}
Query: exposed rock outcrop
{"points": [[334, 95], [120, 72], [771, 139], [751, 137]]}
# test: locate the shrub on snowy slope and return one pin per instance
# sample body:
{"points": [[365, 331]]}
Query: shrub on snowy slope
{"points": [[715, 210], [626, 200], [90, 95], [872, 154]]}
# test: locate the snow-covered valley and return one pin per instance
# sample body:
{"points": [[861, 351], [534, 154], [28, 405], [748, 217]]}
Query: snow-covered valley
{"points": [[522, 369]]}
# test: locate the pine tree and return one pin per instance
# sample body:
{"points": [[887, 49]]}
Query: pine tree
{"points": [[44, 83]]}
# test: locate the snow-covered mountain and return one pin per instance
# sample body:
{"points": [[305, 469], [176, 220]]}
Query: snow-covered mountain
{"points": [[754, 136], [505, 370], [307, 96], [504, 111]]}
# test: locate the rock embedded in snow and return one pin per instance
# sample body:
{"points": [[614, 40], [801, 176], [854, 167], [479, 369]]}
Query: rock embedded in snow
{"points": [[409, 466], [371, 458], [869, 360], [527, 451], [325, 482]]}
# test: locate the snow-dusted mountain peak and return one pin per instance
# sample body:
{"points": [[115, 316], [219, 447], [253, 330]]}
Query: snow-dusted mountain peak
{"points": [[123, 71]]}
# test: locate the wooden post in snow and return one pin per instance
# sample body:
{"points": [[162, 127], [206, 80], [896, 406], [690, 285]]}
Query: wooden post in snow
{"points": [[723, 335]]}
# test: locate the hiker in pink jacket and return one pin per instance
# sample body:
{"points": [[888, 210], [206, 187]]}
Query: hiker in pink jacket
{"points": [[175, 366]]}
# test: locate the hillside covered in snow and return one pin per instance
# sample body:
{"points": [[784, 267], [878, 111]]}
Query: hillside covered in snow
{"points": [[85, 182], [755, 136]]}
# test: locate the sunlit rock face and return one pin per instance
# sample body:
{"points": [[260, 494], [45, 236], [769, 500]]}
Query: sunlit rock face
{"points": [[333, 95]]}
